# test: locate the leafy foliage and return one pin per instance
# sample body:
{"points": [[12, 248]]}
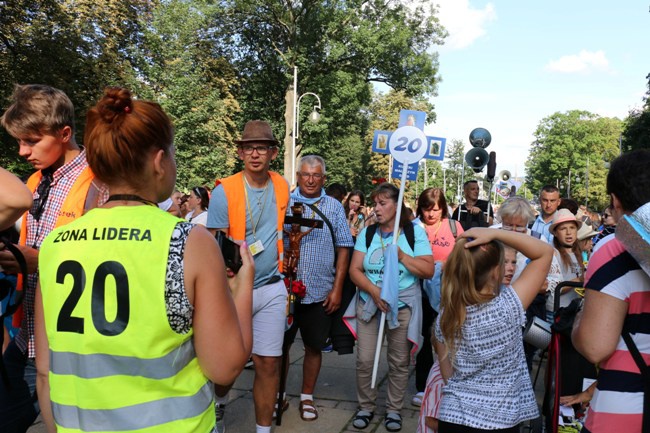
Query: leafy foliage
{"points": [[636, 134], [564, 144], [78, 46], [195, 87]]}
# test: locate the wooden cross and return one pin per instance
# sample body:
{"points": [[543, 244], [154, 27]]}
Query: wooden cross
{"points": [[292, 254]]}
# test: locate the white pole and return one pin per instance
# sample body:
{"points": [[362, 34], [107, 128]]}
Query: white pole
{"points": [[382, 320], [295, 128]]}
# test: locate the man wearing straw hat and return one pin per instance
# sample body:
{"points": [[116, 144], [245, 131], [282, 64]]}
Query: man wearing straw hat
{"points": [[249, 206], [612, 329]]}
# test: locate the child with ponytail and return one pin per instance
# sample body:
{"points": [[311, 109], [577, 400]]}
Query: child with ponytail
{"points": [[479, 332]]}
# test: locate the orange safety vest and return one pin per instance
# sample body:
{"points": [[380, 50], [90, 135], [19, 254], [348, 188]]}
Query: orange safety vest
{"points": [[233, 187], [73, 207]]}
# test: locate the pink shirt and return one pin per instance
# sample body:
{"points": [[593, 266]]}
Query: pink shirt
{"points": [[442, 239]]}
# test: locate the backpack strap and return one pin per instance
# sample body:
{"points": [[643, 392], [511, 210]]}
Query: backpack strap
{"points": [[408, 230], [645, 374], [370, 233], [452, 226], [329, 226]]}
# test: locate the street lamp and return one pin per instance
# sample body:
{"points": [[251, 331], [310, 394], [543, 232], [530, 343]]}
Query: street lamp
{"points": [[314, 117]]}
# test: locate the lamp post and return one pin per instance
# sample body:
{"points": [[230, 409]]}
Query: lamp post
{"points": [[313, 117]]}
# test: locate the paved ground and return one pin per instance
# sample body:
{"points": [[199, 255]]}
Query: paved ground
{"points": [[335, 399]]}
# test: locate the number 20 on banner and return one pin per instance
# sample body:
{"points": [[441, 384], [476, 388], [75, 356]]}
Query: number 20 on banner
{"points": [[408, 144]]}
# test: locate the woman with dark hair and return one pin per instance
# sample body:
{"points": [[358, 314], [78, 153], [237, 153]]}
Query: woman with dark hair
{"points": [[355, 210], [132, 329], [608, 225], [433, 215], [198, 203], [403, 330]]}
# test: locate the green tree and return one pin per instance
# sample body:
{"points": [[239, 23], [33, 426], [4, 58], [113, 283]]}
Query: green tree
{"points": [[195, 85], [565, 143], [78, 46], [339, 48], [636, 134]]}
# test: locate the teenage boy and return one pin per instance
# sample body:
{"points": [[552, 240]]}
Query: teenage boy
{"points": [[41, 119]]}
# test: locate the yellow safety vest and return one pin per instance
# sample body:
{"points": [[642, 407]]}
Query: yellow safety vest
{"points": [[115, 362]]}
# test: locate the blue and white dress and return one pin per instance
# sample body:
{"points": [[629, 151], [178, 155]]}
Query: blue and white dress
{"points": [[490, 387]]}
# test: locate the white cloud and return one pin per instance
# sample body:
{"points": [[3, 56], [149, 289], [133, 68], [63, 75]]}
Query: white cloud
{"points": [[583, 62], [464, 23]]}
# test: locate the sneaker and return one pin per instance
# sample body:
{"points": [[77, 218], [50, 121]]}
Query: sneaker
{"points": [[327, 348], [249, 363], [219, 412], [417, 399]]}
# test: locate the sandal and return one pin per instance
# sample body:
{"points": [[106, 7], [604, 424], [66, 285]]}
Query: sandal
{"points": [[393, 422], [362, 419], [285, 406], [308, 407], [417, 399]]}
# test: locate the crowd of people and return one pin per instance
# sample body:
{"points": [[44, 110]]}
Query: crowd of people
{"points": [[166, 326]]}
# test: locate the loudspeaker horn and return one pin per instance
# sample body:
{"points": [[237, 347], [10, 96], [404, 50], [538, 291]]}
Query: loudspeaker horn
{"points": [[476, 159], [504, 175]]}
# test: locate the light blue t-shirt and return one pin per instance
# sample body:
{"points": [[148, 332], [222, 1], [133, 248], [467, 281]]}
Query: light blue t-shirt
{"points": [[373, 262], [266, 230]]}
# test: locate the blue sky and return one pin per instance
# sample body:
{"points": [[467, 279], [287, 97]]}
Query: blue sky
{"points": [[508, 64]]}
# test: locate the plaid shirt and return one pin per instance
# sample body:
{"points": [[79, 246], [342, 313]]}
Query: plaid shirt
{"points": [[62, 180], [316, 266]]}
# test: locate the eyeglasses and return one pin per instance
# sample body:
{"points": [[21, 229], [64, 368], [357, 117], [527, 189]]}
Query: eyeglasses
{"points": [[262, 150], [606, 215], [316, 176], [517, 229]]}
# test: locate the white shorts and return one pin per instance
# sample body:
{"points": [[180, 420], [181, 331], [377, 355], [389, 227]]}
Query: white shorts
{"points": [[269, 318]]}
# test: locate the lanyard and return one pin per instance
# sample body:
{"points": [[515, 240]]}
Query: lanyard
{"points": [[261, 203], [381, 239]]}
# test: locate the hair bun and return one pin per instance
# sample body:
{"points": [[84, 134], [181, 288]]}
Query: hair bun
{"points": [[115, 104]]}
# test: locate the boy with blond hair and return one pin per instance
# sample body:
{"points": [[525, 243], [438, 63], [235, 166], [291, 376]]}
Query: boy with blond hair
{"points": [[41, 119]]}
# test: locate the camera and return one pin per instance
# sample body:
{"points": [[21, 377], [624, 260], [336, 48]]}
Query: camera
{"points": [[229, 251]]}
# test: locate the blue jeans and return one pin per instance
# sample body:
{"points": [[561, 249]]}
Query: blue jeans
{"points": [[18, 402]]}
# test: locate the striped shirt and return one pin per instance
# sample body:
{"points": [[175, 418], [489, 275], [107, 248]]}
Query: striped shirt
{"points": [[316, 268], [618, 400], [431, 399], [62, 180], [542, 228]]}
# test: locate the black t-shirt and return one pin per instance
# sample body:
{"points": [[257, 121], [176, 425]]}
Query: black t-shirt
{"points": [[469, 220]]}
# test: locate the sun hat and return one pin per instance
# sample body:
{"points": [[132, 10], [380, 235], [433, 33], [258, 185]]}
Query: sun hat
{"points": [[562, 216], [586, 232], [255, 131]]}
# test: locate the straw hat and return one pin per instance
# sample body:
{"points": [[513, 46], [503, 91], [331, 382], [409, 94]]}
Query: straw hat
{"points": [[562, 216], [586, 232], [256, 131]]}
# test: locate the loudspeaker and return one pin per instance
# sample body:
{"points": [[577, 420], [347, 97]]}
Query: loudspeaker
{"points": [[504, 175], [476, 159]]}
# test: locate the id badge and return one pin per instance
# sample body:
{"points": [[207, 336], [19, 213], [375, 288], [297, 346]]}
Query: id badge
{"points": [[256, 248]]}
